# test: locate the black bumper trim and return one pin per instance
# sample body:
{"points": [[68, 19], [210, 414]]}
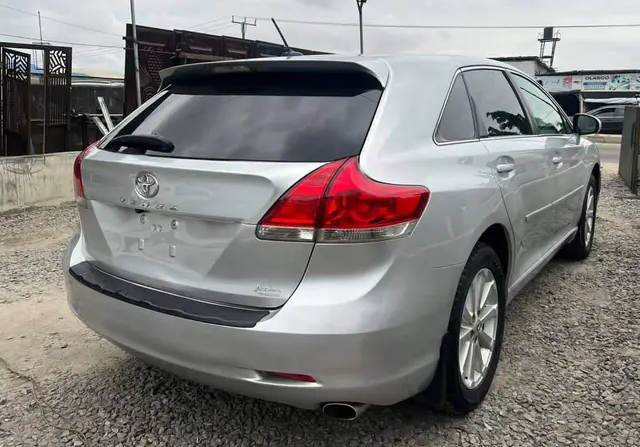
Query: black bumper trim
{"points": [[163, 302]]}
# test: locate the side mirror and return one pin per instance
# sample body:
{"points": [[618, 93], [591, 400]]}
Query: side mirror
{"points": [[584, 124]]}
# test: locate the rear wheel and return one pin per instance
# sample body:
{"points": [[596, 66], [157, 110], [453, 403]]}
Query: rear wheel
{"points": [[471, 349], [580, 247]]}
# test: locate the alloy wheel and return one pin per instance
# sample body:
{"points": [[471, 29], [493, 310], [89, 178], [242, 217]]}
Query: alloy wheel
{"points": [[590, 216], [479, 327]]}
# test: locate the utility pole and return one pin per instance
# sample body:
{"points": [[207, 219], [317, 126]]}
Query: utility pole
{"points": [[360, 5], [35, 52], [244, 23], [45, 54], [136, 60], [40, 26]]}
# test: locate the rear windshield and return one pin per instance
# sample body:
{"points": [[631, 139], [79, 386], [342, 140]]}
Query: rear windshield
{"points": [[296, 117]]}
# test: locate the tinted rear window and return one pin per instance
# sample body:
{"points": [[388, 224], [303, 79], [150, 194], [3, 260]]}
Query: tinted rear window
{"points": [[299, 117]]}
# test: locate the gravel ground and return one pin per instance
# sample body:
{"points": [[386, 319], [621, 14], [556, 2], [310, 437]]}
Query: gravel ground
{"points": [[569, 372], [32, 244]]}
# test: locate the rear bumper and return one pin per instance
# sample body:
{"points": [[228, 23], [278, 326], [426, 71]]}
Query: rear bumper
{"points": [[379, 362]]}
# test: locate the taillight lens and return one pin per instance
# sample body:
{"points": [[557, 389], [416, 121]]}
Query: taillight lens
{"points": [[78, 186], [338, 203]]}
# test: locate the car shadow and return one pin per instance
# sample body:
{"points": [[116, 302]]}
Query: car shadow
{"points": [[137, 401]]}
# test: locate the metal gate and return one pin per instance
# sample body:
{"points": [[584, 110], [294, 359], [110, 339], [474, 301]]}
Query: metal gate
{"points": [[35, 111], [57, 100], [16, 102]]}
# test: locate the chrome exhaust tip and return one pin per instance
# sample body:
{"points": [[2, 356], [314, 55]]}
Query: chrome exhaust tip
{"points": [[343, 411]]}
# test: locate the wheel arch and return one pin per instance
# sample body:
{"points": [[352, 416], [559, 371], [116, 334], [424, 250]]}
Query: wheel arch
{"points": [[497, 237], [598, 176]]}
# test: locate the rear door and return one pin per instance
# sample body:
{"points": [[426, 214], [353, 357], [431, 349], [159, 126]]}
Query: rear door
{"points": [[567, 153], [521, 162], [184, 221]]}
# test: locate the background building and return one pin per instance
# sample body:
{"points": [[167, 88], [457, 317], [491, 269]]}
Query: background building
{"points": [[531, 65], [584, 90]]}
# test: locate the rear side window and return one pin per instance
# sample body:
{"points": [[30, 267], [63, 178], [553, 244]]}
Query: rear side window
{"points": [[498, 109], [456, 123], [295, 117]]}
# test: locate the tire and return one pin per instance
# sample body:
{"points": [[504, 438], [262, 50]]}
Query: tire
{"points": [[580, 246], [450, 391]]}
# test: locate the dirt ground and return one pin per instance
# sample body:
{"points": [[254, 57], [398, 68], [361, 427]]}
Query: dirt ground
{"points": [[41, 339]]}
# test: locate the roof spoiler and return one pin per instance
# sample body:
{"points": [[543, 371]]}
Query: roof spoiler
{"points": [[377, 69]]}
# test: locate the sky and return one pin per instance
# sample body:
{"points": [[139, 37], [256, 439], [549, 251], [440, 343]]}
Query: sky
{"points": [[105, 21]]}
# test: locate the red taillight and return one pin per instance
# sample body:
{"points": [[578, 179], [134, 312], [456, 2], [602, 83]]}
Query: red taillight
{"points": [[78, 187], [338, 203]]}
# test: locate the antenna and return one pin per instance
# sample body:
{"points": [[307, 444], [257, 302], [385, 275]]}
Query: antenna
{"points": [[288, 51], [360, 4]]}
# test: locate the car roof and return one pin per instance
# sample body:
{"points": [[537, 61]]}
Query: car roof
{"points": [[381, 66]]}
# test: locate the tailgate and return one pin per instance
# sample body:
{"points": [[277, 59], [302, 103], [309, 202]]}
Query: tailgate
{"points": [[184, 221]]}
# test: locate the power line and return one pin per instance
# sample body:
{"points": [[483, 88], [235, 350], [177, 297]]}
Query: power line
{"points": [[210, 22], [407, 26], [89, 45], [93, 53], [219, 28], [84, 51], [59, 21], [80, 44]]}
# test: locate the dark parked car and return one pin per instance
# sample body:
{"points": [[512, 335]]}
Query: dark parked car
{"points": [[611, 117]]}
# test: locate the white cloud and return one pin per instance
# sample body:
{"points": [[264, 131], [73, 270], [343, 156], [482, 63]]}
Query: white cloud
{"points": [[579, 48]]}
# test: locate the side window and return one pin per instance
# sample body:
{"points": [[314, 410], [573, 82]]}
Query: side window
{"points": [[498, 109], [456, 123], [545, 113], [619, 111]]}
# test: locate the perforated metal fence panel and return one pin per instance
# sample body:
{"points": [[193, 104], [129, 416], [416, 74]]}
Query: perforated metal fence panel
{"points": [[16, 116], [57, 91], [156, 51]]}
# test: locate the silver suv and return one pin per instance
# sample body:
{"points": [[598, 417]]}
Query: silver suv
{"points": [[329, 232]]}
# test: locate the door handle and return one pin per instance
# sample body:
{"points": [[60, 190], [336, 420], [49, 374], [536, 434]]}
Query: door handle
{"points": [[556, 160], [503, 168]]}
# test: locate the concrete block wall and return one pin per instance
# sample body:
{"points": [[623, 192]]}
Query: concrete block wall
{"points": [[36, 180]]}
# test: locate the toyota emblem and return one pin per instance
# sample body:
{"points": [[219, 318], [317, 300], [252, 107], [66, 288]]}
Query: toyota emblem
{"points": [[146, 185]]}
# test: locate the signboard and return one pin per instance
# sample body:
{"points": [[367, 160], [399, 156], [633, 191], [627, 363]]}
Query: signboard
{"points": [[561, 83], [608, 82], [611, 82]]}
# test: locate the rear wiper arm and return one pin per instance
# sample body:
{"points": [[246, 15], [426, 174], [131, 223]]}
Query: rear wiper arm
{"points": [[141, 143]]}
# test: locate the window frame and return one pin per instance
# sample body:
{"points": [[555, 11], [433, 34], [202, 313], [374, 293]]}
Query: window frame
{"points": [[476, 131], [568, 129], [604, 109], [507, 72], [563, 114], [524, 107]]}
